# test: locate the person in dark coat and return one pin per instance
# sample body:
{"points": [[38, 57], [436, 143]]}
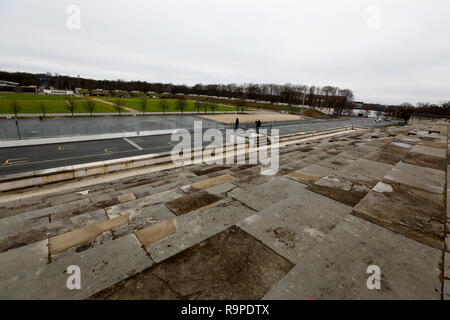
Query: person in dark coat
{"points": [[236, 124]]}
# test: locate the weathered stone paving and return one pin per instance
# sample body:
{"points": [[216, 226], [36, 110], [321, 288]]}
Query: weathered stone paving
{"points": [[336, 206]]}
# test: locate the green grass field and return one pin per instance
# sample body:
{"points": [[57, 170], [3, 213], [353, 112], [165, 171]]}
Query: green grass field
{"points": [[31, 96], [153, 105], [31, 103]]}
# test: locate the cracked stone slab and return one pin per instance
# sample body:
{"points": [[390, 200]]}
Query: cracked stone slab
{"points": [[446, 293], [435, 152], [302, 178], [30, 258], [100, 268], [229, 265], [196, 226], [336, 162], [253, 180], [24, 229], [192, 202], [385, 157], [317, 170], [414, 213], [142, 218], [262, 196], [427, 179], [83, 236], [337, 267], [212, 182], [366, 168], [296, 224], [145, 202], [221, 189], [346, 190]]}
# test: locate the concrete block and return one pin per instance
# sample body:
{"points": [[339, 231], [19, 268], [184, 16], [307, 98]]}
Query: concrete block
{"points": [[317, 171], [156, 232], [261, 196], [435, 152], [126, 197], [337, 267], [366, 168], [427, 179], [100, 268], [212, 182], [141, 218], [296, 224], [18, 264], [96, 171], [221, 189]]}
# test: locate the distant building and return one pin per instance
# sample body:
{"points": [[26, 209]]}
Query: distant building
{"points": [[8, 86], [58, 92]]}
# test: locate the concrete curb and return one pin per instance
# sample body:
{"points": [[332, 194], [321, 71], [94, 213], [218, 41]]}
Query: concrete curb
{"points": [[119, 135], [46, 176]]}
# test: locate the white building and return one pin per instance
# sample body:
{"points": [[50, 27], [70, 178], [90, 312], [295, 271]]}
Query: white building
{"points": [[58, 92]]}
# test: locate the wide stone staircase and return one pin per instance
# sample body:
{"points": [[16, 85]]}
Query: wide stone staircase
{"points": [[336, 206]]}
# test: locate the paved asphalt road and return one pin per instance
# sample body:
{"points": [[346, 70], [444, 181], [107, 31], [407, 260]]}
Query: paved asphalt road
{"points": [[23, 159]]}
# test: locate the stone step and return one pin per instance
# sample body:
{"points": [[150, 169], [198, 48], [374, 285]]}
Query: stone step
{"points": [[337, 268], [100, 268]]}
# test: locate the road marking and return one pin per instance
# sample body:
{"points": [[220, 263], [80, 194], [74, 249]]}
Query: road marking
{"points": [[15, 161], [109, 150], [133, 144], [66, 147]]}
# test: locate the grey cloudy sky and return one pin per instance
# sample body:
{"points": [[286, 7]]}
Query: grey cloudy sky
{"points": [[385, 51]]}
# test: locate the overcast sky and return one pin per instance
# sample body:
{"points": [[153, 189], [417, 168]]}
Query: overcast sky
{"points": [[385, 51]]}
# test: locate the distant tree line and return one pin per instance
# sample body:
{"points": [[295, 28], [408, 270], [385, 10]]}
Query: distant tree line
{"points": [[272, 93], [289, 94]]}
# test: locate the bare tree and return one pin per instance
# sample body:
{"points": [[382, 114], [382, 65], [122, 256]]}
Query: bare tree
{"points": [[143, 105], [163, 105], [118, 106], [198, 105], [181, 104], [15, 107], [70, 105], [43, 109], [90, 106], [240, 103]]}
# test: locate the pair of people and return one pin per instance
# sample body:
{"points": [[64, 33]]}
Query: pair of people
{"points": [[257, 125]]}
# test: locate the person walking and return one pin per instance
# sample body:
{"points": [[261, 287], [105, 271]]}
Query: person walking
{"points": [[258, 125], [236, 124]]}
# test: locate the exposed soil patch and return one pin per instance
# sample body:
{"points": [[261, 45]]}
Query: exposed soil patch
{"points": [[348, 197], [389, 148], [230, 265], [285, 236], [423, 160], [191, 202], [210, 170], [412, 212], [385, 157]]}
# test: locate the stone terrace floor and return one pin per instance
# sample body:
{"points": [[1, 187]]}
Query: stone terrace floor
{"points": [[337, 206]]}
